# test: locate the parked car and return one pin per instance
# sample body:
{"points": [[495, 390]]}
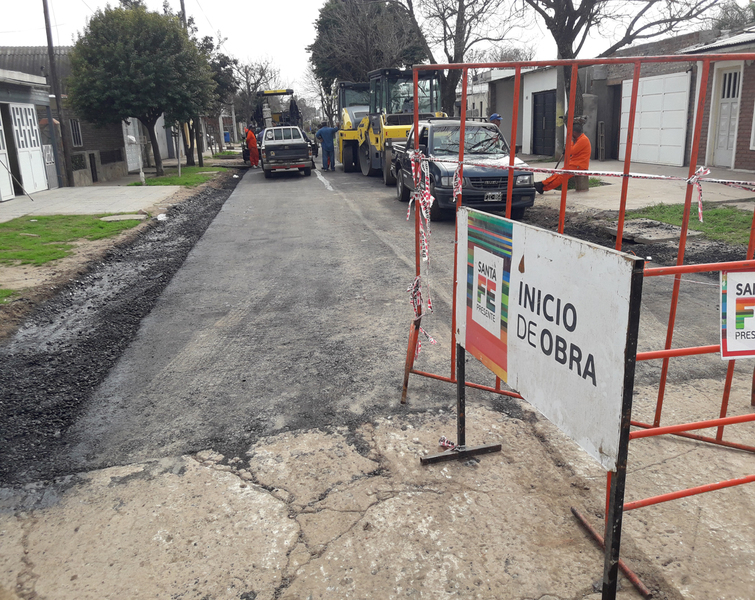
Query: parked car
{"points": [[283, 148], [484, 185]]}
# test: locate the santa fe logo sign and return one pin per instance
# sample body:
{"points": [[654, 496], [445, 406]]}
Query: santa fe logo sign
{"points": [[737, 314]]}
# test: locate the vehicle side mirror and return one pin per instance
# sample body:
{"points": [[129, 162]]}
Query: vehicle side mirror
{"points": [[423, 149]]}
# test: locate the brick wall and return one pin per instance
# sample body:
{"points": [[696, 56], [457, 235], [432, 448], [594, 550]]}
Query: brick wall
{"points": [[669, 46], [745, 158], [108, 137]]}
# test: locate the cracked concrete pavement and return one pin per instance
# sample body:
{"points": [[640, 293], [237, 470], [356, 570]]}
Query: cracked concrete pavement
{"points": [[306, 515], [340, 514]]}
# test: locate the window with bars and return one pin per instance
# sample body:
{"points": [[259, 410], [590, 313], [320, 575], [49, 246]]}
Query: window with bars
{"points": [[76, 132]]}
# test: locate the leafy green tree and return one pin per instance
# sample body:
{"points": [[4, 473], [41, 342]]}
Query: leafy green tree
{"points": [[131, 62], [222, 69]]}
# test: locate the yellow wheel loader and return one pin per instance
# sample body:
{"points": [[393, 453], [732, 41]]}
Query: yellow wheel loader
{"points": [[391, 115]]}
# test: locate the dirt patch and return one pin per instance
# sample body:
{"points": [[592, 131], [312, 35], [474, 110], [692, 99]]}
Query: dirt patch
{"points": [[590, 225], [37, 284]]}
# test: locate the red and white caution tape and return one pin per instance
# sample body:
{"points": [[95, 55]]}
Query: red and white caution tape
{"points": [[444, 442], [422, 200]]}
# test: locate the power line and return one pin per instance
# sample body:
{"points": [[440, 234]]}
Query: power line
{"points": [[221, 43]]}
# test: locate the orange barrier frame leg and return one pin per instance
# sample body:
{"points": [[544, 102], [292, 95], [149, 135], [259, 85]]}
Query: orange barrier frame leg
{"points": [[411, 352]]}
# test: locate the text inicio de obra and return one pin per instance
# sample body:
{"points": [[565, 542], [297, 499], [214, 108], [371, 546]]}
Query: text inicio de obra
{"points": [[559, 315]]}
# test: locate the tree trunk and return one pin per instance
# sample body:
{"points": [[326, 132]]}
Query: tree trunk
{"points": [[448, 85], [189, 145], [200, 144], [160, 172]]}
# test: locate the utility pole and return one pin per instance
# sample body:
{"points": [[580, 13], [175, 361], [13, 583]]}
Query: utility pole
{"points": [[67, 148]]}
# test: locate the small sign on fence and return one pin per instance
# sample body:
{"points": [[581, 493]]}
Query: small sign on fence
{"points": [[737, 314], [549, 315]]}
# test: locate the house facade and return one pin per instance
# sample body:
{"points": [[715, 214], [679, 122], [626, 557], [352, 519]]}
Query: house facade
{"points": [[666, 104], [728, 127], [536, 118], [100, 153]]}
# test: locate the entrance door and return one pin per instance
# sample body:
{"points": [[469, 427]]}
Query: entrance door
{"points": [[544, 123], [31, 160], [726, 121], [6, 183]]}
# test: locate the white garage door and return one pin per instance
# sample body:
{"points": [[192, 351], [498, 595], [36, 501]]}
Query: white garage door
{"points": [[660, 126]]}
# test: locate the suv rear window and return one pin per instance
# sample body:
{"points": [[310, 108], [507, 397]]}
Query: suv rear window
{"points": [[283, 133]]}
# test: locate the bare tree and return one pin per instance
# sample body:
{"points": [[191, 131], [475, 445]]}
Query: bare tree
{"points": [[318, 95], [626, 21], [452, 29], [508, 52], [253, 76], [732, 16]]}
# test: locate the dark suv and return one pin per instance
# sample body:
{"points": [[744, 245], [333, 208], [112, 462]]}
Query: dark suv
{"points": [[484, 185]]}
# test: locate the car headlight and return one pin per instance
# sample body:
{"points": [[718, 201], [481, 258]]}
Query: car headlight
{"points": [[446, 181], [524, 179]]}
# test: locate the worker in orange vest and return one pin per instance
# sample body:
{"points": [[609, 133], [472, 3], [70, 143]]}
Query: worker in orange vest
{"points": [[251, 144], [579, 160]]}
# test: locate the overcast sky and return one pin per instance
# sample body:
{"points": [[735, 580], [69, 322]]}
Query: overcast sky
{"points": [[278, 29]]}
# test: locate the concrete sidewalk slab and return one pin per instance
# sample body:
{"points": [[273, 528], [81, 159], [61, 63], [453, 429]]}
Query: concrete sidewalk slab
{"points": [[87, 201]]}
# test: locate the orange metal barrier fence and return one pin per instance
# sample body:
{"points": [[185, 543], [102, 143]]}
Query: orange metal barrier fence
{"points": [[614, 490]]}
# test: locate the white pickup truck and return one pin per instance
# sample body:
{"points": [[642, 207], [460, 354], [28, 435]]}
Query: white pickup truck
{"points": [[283, 148]]}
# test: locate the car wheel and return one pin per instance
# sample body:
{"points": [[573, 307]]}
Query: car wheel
{"points": [[349, 165], [402, 192], [388, 178], [517, 213], [307, 171], [268, 174]]}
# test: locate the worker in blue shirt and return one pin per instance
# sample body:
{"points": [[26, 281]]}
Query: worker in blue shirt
{"points": [[325, 136]]}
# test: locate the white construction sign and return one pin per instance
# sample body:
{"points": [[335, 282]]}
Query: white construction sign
{"points": [[549, 315]]}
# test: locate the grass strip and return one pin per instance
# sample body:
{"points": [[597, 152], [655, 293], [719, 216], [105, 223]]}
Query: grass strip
{"points": [[721, 223], [6, 295], [190, 176], [39, 240]]}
